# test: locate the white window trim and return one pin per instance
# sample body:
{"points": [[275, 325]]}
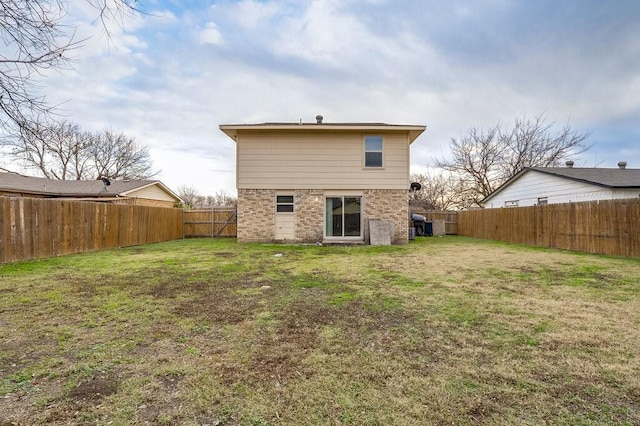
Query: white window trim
{"points": [[364, 153], [335, 194]]}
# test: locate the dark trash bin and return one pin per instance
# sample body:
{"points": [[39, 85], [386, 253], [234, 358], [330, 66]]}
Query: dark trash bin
{"points": [[428, 228]]}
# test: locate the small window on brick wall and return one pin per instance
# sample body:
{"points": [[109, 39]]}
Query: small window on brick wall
{"points": [[284, 203]]}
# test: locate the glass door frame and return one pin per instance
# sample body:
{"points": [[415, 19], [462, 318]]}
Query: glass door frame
{"points": [[328, 219]]}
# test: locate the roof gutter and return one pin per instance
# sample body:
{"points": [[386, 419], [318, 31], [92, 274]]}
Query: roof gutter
{"points": [[232, 130]]}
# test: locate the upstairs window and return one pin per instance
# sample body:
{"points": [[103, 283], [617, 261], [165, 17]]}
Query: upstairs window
{"points": [[284, 203], [373, 151], [543, 201]]}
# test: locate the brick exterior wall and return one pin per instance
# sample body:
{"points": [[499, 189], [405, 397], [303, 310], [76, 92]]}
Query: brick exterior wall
{"points": [[309, 208], [256, 214], [389, 204]]}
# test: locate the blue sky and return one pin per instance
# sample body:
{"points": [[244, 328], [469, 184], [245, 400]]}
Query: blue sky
{"points": [[171, 76]]}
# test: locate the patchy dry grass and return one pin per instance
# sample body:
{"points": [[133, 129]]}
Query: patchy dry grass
{"points": [[441, 331]]}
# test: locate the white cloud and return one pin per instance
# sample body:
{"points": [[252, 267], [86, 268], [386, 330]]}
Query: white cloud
{"points": [[183, 167], [323, 35], [163, 17], [250, 14], [210, 34]]}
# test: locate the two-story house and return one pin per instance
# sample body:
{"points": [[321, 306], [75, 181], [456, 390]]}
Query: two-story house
{"points": [[321, 182]]}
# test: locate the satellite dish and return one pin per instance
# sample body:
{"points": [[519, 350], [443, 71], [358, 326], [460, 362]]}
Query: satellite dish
{"points": [[106, 181], [415, 186]]}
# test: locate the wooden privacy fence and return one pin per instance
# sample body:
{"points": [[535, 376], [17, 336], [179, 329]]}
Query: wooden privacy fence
{"points": [[211, 222], [609, 227], [32, 228]]}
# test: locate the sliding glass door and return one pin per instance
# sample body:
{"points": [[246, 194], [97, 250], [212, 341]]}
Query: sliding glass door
{"points": [[343, 216]]}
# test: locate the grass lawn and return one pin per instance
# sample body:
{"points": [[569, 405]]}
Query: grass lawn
{"points": [[441, 331]]}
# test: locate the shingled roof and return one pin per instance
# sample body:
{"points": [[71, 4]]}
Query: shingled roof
{"points": [[14, 182], [610, 178]]}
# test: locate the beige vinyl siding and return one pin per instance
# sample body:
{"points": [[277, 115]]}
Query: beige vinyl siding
{"points": [[298, 160], [152, 192]]}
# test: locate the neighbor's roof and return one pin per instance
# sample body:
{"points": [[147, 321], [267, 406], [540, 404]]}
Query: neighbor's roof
{"points": [[610, 178], [607, 178], [414, 131], [14, 182]]}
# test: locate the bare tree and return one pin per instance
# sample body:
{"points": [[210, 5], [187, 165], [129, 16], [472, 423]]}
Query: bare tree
{"points": [[188, 195], [483, 160], [55, 151], [530, 143], [114, 10], [63, 151], [33, 42], [442, 190], [476, 160], [432, 190], [222, 198], [117, 156], [192, 199], [35, 39]]}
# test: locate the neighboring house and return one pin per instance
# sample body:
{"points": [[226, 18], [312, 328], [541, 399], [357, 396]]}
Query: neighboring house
{"points": [[321, 182], [551, 185], [138, 192]]}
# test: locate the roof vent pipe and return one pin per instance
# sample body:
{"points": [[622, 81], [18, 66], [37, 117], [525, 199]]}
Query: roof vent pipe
{"points": [[319, 119], [622, 165], [569, 164]]}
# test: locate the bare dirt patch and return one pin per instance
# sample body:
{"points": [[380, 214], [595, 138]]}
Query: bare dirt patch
{"points": [[280, 354], [94, 389], [219, 306], [172, 287], [79, 404]]}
